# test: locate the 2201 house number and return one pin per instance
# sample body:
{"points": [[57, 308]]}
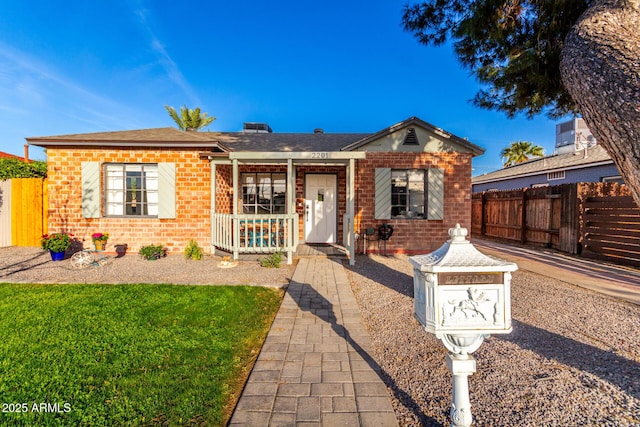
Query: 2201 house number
{"points": [[319, 155]]}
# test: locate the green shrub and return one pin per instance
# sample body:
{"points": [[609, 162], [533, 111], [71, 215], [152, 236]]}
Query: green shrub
{"points": [[193, 251], [271, 261], [151, 252], [15, 168]]}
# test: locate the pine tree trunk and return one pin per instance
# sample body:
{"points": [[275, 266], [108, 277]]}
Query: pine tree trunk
{"points": [[600, 68]]}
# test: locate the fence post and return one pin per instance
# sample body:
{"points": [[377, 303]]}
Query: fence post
{"points": [[483, 219], [523, 219], [569, 219]]}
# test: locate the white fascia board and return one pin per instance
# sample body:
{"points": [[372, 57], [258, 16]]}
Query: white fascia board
{"points": [[297, 155]]}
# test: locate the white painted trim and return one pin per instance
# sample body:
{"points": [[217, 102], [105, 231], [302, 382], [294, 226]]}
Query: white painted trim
{"points": [[319, 156]]}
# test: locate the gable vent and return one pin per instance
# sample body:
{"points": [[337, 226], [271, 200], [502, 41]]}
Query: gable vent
{"points": [[411, 138]]}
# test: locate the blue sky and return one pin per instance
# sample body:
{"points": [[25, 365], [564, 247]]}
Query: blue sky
{"points": [[86, 66]]}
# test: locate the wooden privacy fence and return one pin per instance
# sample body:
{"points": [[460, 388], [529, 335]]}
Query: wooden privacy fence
{"points": [[23, 211], [598, 220]]}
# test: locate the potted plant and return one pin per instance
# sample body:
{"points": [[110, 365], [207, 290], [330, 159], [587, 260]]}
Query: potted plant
{"points": [[56, 244], [100, 240]]}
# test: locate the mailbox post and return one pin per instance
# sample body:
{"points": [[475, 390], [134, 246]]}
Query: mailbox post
{"points": [[462, 296]]}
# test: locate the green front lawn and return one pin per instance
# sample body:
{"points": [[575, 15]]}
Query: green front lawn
{"points": [[128, 354]]}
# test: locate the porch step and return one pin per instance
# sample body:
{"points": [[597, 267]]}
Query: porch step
{"points": [[307, 250]]}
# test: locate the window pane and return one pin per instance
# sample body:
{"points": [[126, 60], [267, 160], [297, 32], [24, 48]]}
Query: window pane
{"points": [[114, 189], [115, 196], [248, 193], [264, 193], [151, 180], [152, 197], [114, 209], [416, 193], [407, 193], [398, 193]]}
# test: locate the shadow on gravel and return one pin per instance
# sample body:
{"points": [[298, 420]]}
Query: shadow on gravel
{"points": [[610, 367], [25, 265], [382, 274], [308, 299]]}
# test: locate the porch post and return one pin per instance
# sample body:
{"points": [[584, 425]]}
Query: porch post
{"points": [[291, 208], [213, 208], [234, 216], [351, 211]]}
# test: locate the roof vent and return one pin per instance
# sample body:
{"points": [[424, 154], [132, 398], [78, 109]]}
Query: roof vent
{"points": [[252, 127], [318, 130], [411, 138]]}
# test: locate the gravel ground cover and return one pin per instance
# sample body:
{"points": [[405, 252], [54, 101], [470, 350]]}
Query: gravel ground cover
{"points": [[33, 265], [573, 358]]}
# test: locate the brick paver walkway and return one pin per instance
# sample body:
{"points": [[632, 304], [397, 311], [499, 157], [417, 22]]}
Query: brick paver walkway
{"points": [[315, 367]]}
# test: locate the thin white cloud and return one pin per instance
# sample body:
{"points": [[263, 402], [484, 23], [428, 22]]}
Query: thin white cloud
{"points": [[166, 62], [34, 86]]}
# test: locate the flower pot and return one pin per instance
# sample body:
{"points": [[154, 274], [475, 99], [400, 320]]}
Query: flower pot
{"points": [[56, 256], [99, 245]]}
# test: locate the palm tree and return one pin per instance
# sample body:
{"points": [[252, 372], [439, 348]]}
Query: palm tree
{"points": [[520, 151], [189, 119]]}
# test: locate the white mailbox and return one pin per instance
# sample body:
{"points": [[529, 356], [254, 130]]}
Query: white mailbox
{"points": [[462, 296], [459, 290]]}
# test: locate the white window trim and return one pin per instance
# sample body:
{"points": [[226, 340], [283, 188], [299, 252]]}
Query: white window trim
{"points": [[144, 192]]}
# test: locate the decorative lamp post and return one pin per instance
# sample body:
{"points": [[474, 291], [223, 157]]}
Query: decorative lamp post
{"points": [[462, 296]]}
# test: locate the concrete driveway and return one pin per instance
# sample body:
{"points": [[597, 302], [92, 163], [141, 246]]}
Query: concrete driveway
{"points": [[618, 281]]}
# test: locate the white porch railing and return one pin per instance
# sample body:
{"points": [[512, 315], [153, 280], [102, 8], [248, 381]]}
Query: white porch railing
{"points": [[255, 233]]}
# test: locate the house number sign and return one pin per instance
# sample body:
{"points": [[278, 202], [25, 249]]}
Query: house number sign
{"points": [[320, 155], [469, 278]]}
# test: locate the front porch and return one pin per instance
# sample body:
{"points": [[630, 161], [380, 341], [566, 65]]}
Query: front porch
{"points": [[273, 219]]}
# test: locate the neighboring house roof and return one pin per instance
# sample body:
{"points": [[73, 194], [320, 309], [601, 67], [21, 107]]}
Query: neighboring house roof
{"points": [[594, 156], [240, 141], [4, 155]]}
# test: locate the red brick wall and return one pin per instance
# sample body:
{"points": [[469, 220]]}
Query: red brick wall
{"points": [[192, 199], [415, 235]]}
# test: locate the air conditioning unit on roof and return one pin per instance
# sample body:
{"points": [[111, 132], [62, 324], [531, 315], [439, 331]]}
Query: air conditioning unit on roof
{"points": [[253, 127]]}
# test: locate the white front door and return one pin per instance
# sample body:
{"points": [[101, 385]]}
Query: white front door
{"points": [[320, 210]]}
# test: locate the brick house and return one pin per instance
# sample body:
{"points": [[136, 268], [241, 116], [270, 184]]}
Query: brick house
{"points": [[257, 191]]}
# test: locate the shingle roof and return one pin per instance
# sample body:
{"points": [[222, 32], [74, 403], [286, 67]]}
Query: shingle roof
{"points": [[167, 134], [4, 155], [235, 141], [594, 155], [238, 141]]}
